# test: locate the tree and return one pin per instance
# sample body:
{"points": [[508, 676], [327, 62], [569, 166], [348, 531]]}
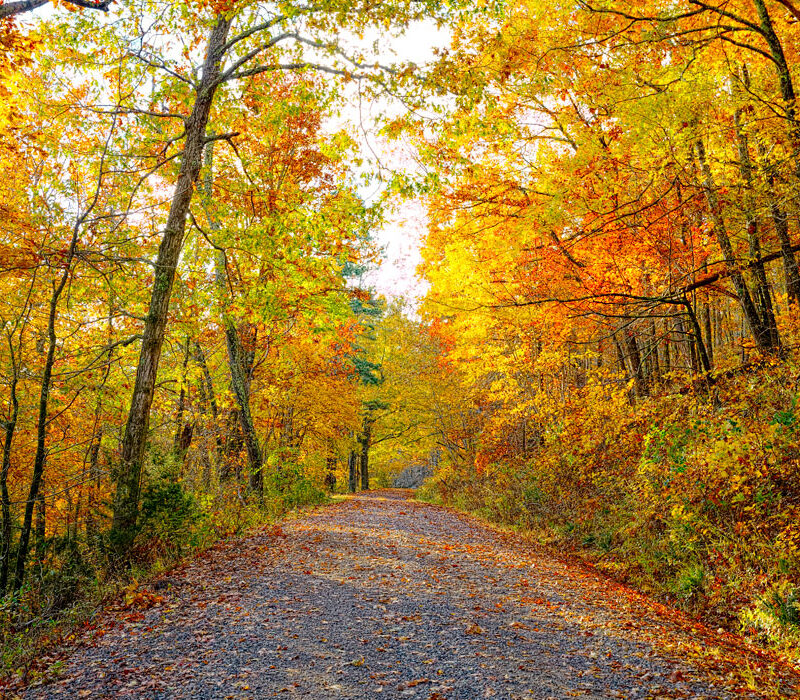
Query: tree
{"points": [[10, 9], [254, 49]]}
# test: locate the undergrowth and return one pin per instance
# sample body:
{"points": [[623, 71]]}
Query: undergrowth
{"points": [[691, 497], [75, 575]]}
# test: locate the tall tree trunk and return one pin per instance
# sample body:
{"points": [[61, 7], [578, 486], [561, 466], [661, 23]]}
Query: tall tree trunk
{"points": [[687, 339], [205, 389], [92, 505], [352, 471], [784, 78], [241, 391], [234, 442], [200, 358], [10, 428], [637, 367], [763, 295], [699, 345], [365, 466], [330, 473], [208, 396], [655, 364], [365, 440], [93, 457], [621, 357], [44, 401], [791, 269], [709, 332], [183, 433], [238, 364], [126, 500], [41, 523], [758, 329], [780, 221]]}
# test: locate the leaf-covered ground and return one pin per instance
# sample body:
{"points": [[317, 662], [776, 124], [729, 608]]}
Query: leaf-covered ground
{"points": [[380, 596]]}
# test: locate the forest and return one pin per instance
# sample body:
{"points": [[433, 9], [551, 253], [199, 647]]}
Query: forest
{"points": [[604, 352]]}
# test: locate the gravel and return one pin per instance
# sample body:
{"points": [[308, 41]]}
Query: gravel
{"points": [[382, 597]]}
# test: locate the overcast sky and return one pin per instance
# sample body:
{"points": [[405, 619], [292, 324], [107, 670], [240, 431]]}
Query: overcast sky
{"points": [[400, 238]]}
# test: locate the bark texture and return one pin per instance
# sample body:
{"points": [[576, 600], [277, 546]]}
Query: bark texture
{"points": [[126, 500], [758, 329]]}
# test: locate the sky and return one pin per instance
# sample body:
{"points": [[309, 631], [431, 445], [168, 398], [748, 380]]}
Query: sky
{"points": [[400, 240], [402, 234]]}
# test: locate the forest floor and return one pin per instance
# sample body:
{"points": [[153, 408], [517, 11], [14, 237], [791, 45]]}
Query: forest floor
{"points": [[379, 596]]}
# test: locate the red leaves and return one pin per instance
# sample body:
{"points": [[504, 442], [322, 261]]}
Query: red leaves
{"points": [[277, 531], [140, 599]]}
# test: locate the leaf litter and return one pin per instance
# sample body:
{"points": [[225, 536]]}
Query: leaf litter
{"points": [[383, 596]]}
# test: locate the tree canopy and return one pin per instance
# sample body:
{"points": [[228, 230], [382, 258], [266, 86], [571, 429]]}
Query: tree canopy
{"points": [[605, 342]]}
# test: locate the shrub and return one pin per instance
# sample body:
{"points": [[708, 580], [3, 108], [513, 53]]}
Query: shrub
{"points": [[693, 496], [287, 486], [167, 519]]}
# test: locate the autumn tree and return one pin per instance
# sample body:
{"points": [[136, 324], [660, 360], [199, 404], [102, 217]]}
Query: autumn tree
{"points": [[242, 43]]}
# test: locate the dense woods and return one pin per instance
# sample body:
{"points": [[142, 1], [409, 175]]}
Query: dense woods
{"points": [[185, 337], [605, 352], [613, 273]]}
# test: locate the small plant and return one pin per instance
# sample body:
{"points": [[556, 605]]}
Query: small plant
{"points": [[690, 582], [776, 615], [785, 606], [605, 541], [289, 487], [787, 418], [168, 517]]}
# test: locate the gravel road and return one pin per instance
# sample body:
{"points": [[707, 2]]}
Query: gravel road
{"points": [[382, 597]]}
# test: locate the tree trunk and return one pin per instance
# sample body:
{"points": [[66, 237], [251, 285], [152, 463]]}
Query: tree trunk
{"points": [[44, 400], [655, 363], [95, 475], [330, 473], [200, 358], [10, 428], [365, 439], [781, 223], [637, 367], [699, 344], [784, 77], [241, 391], [183, 433], [126, 500], [687, 340], [365, 466], [763, 295], [237, 360], [205, 389], [352, 468], [92, 505], [709, 333], [208, 398], [233, 445], [41, 523], [790, 103], [758, 329], [790, 269], [621, 357]]}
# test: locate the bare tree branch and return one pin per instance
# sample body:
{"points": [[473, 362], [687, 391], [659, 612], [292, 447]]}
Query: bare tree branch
{"points": [[11, 9]]}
